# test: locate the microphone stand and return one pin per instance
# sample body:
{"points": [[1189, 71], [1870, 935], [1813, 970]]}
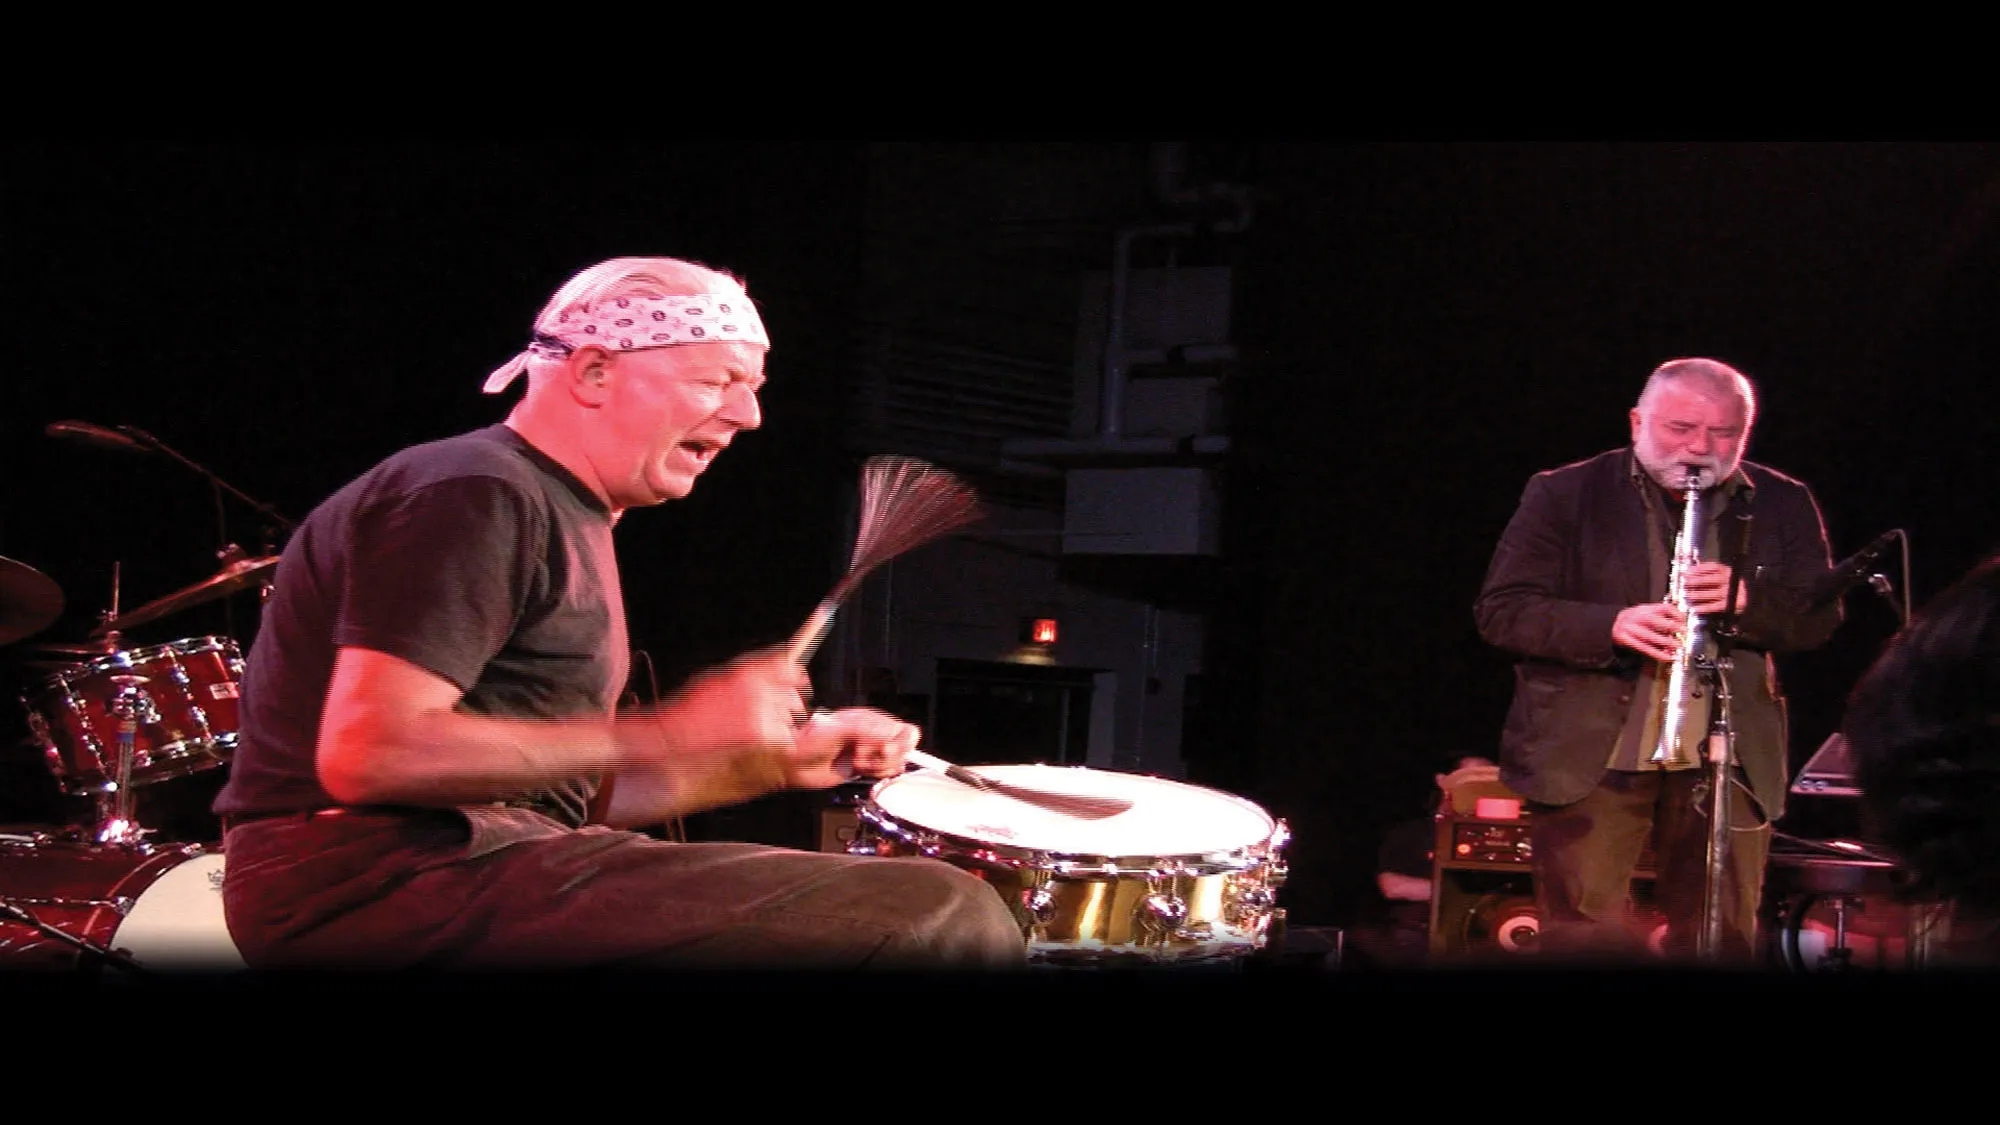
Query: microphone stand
{"points": [[158, 446], [1720, 748], [218, 486]]}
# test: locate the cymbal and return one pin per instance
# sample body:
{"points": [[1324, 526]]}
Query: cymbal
{"points": [[238, 575], [30, 601], [104, 647]]}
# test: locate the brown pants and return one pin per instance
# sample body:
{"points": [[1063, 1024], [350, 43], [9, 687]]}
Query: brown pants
{"points": [[1585, 855], [404, 891]]}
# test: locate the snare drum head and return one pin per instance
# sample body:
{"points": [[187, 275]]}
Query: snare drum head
{"points": [[1167, 818], [177, 923]]}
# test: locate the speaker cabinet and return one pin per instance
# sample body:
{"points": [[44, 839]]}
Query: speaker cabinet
{"points": [[1492, 916], [1483, 885]]}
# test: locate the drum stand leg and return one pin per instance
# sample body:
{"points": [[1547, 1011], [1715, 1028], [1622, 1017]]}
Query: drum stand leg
{"points": [[116, 822], [1837, 956], [82, 945]]}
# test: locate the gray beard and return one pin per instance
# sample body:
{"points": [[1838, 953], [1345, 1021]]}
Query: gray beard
{"points": [[1670, 472]]}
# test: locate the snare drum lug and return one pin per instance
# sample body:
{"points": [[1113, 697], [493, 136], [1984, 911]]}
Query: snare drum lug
{"points": [[874, 843], [1198, 933], [44, 737], [1040, 904], [1164, 913], [1258, 899]]}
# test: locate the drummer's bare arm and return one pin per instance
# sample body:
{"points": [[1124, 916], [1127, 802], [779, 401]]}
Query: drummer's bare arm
{"points": [[693, 773], [391, 732]]}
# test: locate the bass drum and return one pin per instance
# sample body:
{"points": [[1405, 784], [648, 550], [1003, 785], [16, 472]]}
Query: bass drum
{"points": [[1183, 876], [65, 903]]}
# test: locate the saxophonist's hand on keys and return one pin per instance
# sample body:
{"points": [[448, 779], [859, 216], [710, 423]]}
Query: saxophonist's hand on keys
{"points": [[1708, 588], [1650, 628]]}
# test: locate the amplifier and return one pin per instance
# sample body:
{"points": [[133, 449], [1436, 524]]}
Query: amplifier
{"points": [[1482, 879], [1481, 844], [1482, 825]]}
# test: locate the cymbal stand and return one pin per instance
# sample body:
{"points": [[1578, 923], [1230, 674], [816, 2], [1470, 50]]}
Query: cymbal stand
{"points": [[108, 619], [116, 825]]}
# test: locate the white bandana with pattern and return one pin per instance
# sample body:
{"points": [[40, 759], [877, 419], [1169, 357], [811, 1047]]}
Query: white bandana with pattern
{"points": [[630, 323]]}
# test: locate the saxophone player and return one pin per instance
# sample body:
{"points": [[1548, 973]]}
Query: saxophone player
{"points": [[1577, 594]]}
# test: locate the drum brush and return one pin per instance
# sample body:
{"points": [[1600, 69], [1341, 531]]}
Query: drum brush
{"points": [[905, 503], [1081, 805], [1069, 804]]}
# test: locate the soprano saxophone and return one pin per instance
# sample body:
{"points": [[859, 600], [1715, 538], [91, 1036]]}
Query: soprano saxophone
{"points": [[1669, 748]]}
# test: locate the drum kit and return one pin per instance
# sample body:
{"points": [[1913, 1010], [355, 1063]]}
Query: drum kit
{"points": [[1099, 868], [109, 721], [1176, 875]]}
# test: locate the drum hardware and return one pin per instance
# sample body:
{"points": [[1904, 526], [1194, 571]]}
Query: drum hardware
{"points": [[1846, 877], [12, 908], [136, 717], [1165, 912], [30, 601], [1837, 956], [1038, 900], [145, 910], [132, 706], [238, 572]]}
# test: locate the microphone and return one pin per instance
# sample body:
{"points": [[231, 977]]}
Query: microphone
{"points": [[1850, 571], [134, 433], [96, 435]]}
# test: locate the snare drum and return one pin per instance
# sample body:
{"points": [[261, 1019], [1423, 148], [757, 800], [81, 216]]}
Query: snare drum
{"points": [[1185, 875], [187, 717], [162, 907]]}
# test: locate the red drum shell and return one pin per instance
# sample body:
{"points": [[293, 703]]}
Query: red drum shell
{"points": [[193, 687], [160, 906]]}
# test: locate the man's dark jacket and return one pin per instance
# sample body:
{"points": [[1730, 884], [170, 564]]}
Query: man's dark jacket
{"points": [[1573, 556]]}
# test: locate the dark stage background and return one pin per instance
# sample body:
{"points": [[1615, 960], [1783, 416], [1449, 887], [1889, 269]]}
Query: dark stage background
{"points": [[1423, 327]]}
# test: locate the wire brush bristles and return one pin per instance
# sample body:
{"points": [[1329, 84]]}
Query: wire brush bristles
{"points": [[905, 503]]}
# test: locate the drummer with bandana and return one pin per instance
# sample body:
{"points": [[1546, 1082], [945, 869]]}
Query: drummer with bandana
{"points": [[431, 769]]}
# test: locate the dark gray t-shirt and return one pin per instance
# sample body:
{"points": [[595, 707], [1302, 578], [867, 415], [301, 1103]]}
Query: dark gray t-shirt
{"points": [[477, 558]]}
